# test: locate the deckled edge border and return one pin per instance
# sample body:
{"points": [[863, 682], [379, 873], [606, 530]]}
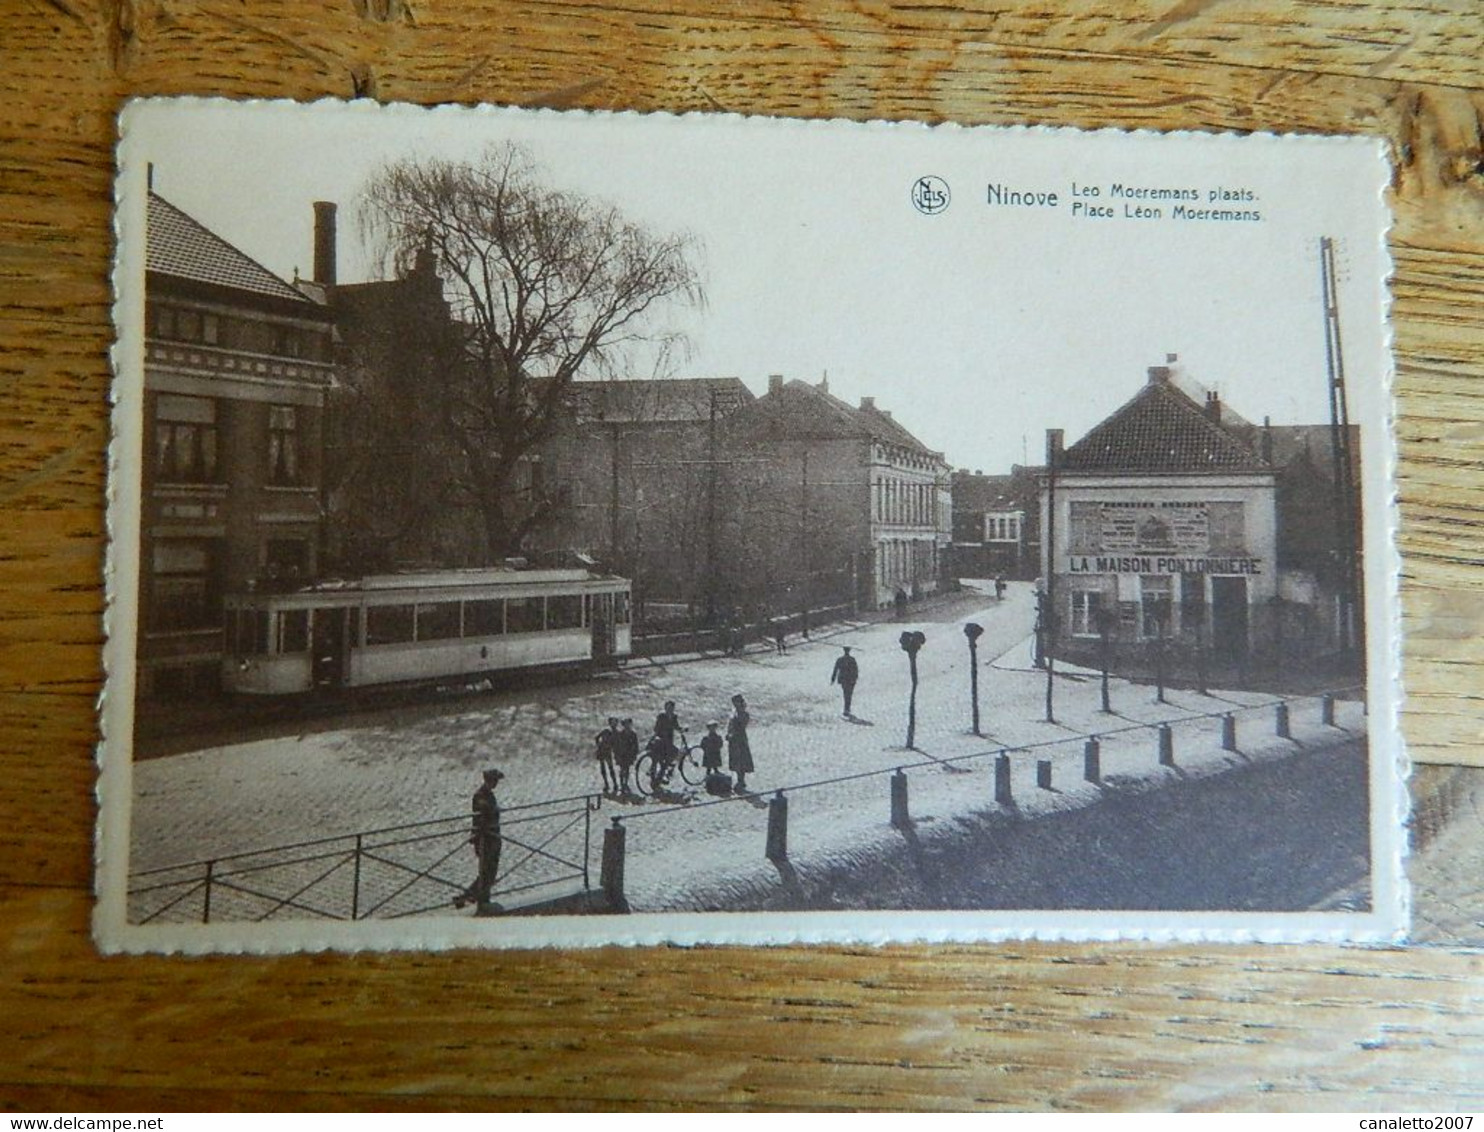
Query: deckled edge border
{"points": [[112, 934]]}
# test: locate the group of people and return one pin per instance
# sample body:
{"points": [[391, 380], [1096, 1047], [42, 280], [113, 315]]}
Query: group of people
{"points": [[616, 746]]}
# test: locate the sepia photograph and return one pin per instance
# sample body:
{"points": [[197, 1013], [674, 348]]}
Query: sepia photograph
{"points": [[537, 528]]}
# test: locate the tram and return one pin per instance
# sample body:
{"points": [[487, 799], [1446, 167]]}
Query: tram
{"points": [[400, 628]]}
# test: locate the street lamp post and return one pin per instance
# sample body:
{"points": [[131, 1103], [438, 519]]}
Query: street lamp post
{"points": [[1105, 652], [1159, 658], [911, 641], [973, 632]]}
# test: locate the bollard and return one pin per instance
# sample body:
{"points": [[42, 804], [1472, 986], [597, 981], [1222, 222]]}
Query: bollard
{"points": [[900, 817], [1228, 732], [611, 876], [1166, 745], [1092, 760], [1043, 773], [1002, 793], [1282, 721], [777, 828], [1327, 709]]}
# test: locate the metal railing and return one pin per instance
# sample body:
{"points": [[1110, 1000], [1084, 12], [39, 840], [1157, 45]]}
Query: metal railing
{"points": [[401, 870], [1232, 708]]}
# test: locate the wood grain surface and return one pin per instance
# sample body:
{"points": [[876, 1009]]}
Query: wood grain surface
{"points": [[1024, 1026]]}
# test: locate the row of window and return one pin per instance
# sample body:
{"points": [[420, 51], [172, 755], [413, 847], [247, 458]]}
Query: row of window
{"points": [[1002, 527], [255, 631], [896, 501], [900, 562], [1094, 610], [184, 324], [187, 441]]}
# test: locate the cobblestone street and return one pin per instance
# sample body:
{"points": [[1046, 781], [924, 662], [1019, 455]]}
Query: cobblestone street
{"points": [[423, 764]]}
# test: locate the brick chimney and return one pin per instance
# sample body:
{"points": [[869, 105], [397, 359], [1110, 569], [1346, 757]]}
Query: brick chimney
{"points": [[775, 383], [868, 402], [1159, 375], [324, 242], [1267, 440], [1213, 406]]}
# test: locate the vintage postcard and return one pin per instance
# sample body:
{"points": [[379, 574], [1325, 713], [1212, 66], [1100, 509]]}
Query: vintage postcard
{"points": [[563, 529]]}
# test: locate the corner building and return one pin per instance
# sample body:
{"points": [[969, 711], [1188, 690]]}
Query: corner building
{"points": [[236, 365], [1172, 526]]}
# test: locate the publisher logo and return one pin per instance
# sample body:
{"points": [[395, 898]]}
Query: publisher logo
{"points": [[930, 195]]}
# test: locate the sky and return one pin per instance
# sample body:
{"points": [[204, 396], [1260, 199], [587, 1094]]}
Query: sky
{"points": [[979, 326]]}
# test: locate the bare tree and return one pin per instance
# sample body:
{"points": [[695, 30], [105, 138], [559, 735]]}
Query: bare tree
{"points": [[544, 285]]}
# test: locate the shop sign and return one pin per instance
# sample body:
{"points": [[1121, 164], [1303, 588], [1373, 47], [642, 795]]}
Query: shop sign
{"points": [[1160, 564]]}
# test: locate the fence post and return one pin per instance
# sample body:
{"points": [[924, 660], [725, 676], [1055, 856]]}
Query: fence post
{"points": [[1002, 792], [1043, 773], [355, 884], [206, 899], [1228, 732], [1282, 722], [900, 817], [611, 876], [1327, 708], [777, 849], [1166, 745], [1092, 760]]}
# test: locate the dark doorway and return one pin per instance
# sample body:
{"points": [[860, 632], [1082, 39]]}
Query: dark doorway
{"points": [[1229, 617], [329, 648]]}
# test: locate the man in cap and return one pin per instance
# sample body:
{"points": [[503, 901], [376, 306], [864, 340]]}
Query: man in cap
{"points": [[485, 837], [846, 672]]}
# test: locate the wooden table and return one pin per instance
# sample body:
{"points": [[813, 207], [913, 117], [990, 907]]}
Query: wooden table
{"points": [[1018, 1026]]}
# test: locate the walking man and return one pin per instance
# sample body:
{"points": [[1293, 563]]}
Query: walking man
{"points": [[604, 743], [846, 673], [625, 753], [739, 751], [485, 837]]}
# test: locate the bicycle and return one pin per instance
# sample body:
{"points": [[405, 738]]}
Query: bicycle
{"points": [[656, 768]]}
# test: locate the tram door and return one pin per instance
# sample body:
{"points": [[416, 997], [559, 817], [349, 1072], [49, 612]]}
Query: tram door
{"points": [[1229, 617], [602, 626], [329, 648]]}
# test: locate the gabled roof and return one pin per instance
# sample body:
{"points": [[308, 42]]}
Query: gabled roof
{"points": [[179, 246], [667, 399], [1161, 429], [800, 410]]}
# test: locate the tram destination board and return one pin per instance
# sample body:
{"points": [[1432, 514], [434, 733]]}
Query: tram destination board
{"points": [[566, 529]]}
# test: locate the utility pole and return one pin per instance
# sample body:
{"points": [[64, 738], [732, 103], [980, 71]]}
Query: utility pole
{"points": [[1053, 450], [613, 499], [711, 474], [1343, 468]]}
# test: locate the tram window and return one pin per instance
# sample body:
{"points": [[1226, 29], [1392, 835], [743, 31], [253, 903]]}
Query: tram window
{"points": [[353, 626], [564, 612], [524, 614], [388, 624], [438, 622], [247, 632], [484, 618], [621, 609], [293, 629]]}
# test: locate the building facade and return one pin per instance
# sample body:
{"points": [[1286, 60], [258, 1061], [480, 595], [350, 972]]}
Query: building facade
{"points": [[638, 480], [996, 524], [834, 504], [1176, 528], [236, 366]]}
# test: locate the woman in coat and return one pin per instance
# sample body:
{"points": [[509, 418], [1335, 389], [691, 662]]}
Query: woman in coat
{"points": [[739, 753]]}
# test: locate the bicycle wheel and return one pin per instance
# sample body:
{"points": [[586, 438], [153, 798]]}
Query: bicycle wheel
{"points": [[690, 770], [642, 771]]}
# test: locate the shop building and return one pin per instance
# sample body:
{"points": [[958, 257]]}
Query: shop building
{"points": [[1177, 528]]}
